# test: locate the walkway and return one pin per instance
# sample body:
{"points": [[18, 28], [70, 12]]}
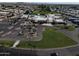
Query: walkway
{"points": [[16, 43]]}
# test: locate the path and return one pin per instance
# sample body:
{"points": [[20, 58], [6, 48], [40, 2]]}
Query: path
{"points": [[16, 43]]}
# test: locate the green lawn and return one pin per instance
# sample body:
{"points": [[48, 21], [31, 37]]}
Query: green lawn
{"points": [[45, 12], [71, 28], [51, 39], [6, 43]]}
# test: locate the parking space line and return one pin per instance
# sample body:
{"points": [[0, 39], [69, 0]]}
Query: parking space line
{"points": [[6, 33]]}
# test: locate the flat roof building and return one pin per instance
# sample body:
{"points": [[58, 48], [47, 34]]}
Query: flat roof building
{"points": [[37, 18]]}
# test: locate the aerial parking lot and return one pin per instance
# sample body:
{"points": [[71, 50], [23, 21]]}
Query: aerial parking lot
{"points": [[19, 32]]}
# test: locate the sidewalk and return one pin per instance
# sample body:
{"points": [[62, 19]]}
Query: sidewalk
{"points": [[16, 43]]}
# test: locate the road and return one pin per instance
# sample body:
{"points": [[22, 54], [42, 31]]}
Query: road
{"points": [[72, 34], [73, 51]]}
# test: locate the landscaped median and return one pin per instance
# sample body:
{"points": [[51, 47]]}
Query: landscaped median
{"points": [[51, 39]]}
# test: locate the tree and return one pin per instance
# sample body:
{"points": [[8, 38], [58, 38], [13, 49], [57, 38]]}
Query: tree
{"points": [[28, 12]]}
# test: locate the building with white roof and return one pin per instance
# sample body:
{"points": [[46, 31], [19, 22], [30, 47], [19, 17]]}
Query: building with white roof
{"points": [[24, 16], [50, 18], [51, 15], [37, 18], [57, 16], [47, 24], [59, 21], [1, 20], [4, 13]]}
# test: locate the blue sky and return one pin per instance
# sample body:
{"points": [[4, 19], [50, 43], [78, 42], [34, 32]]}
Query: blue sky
{"points": [[45, 1]]}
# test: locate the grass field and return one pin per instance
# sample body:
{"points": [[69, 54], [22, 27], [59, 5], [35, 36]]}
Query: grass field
{"points": [[6, 43], [51, 39]]}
